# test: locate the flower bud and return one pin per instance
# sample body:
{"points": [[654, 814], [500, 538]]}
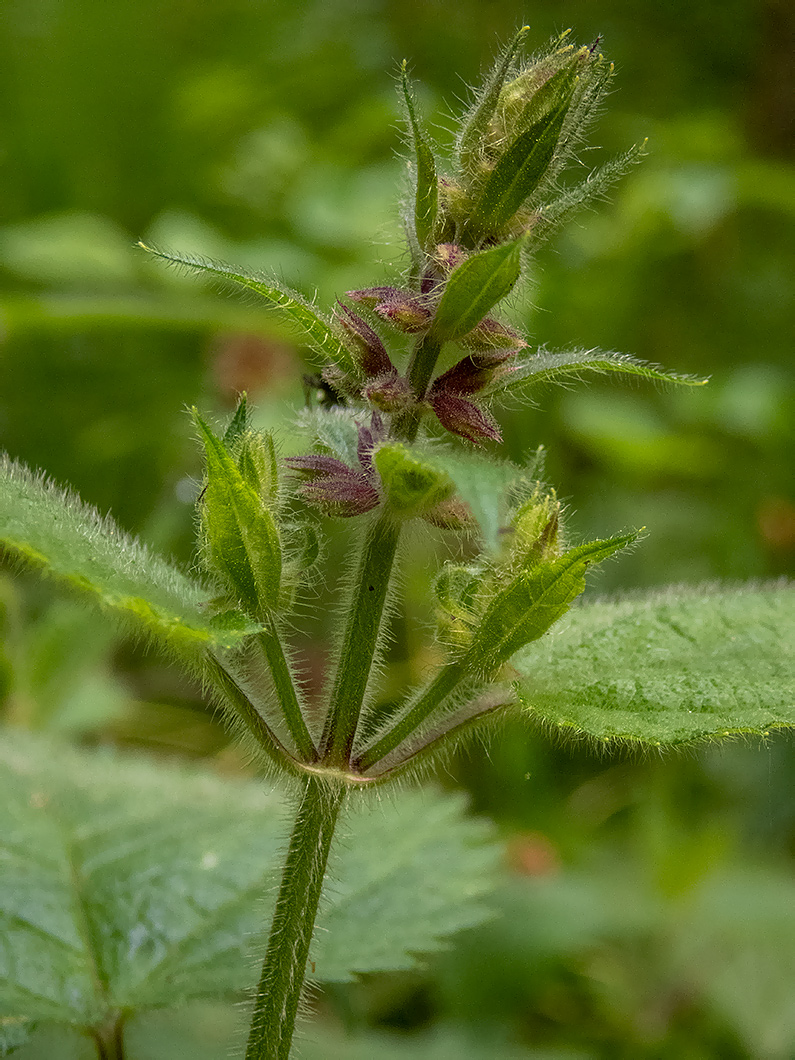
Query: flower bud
{"points": [[373, 357], [463, 418], [472, 373], [491, 333], [333, 487], [389, 393]]}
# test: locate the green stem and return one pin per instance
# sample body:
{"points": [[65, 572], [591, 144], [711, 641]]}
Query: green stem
{"points": [[360, 640], [245, 711], [271, 644], [441, 687], [293, 921], [420, 372]]}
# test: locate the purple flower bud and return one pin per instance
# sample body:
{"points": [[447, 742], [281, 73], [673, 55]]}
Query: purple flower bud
{"points": [[451, 514], [334, 487], [472, 373], [449, 256], [371, 296], [374, 358], [490, 333], [463, 418], [390, 393]]}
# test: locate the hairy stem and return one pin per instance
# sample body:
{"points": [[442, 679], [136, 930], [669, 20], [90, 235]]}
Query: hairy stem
{"points": [[360, 640], [284, 968], [441, 687], [285, 690], [420, 372]]}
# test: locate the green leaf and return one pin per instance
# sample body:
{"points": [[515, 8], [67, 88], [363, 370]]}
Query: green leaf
{"points": [[477, 122], [49, 529], [518, 172], [413, 485], [541, 368], [426, 193], [316, 330], [126, 885], [14, 1032], [239, 423], [536, 599], [242, 539], [475, 287], [482, 483], [669, 667]]}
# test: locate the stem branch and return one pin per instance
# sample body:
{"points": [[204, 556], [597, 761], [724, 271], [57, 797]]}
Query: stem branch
{"points": [[285, 689]]}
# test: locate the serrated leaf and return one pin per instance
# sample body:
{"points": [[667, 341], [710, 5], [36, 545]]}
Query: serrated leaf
{"points": [[49, 529], [670, 667], [542, 368], [536, 599], [126, 885], [475, 287], [317, 331], [426, 192]]}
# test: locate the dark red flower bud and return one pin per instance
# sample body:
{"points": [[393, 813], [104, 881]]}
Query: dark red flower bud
{"points": [[473, 373], [390, 393], [463, 418], [491, 333], [373, 356], [334, 487]]}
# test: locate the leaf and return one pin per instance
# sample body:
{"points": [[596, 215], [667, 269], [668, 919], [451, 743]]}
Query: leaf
{"points": [[475, 287], [482, 483], [413, 486], [316, 330], [426, 194], [242, 539], [536, 599], [129, 885], [476, 124], [679, 665], [519, 171], [49, 529], [541, 368], [14, 1032]]}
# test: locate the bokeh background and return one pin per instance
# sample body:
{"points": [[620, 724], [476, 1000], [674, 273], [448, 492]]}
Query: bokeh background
{"points": [[648, 907]]}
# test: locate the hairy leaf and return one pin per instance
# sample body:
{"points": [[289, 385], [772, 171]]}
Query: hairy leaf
{"points": [[669, 667], [541, 368], [426, 191], [316, 330], [126, 885], [49, 529], [537, 598], [475, 287], [480, 482], [476, 123]]}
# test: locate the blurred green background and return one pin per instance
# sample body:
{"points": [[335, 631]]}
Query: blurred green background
{"points": [[648, 908]]}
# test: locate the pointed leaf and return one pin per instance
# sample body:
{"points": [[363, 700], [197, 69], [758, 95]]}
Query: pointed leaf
{"points": [[51, 530], [426, 192], [317, 331], [518, 172], [477, 121], [668, 667], [536, 599], [126, 885], [540, 368], [475, 287], [242, 538], [239, 423]]}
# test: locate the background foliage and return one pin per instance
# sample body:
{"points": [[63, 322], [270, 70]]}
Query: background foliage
{"points": [[645, 900]]}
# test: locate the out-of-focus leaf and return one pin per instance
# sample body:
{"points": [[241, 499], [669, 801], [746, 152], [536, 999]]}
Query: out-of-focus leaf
{"points": [[50, 530], [126, 886], [14, 1032], [670, 667]]}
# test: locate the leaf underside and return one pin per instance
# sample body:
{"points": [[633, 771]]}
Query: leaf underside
{"points": [[682, 665], [125, 885], [51, 530]]}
